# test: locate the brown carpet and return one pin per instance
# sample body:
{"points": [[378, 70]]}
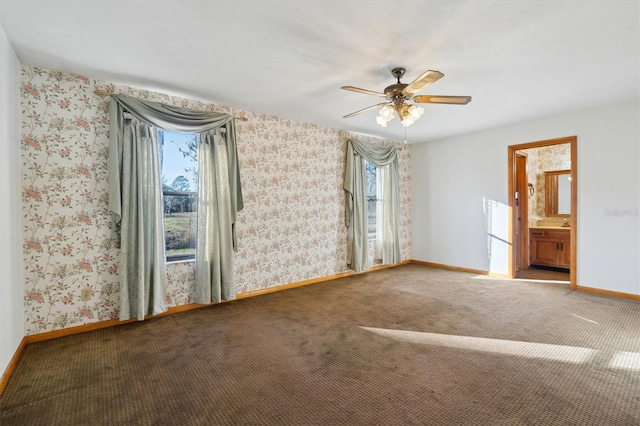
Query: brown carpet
{"points": [[330, 354]]}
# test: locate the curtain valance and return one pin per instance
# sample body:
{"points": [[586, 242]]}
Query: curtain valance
{"points": [[167, 117], [377, 155]]}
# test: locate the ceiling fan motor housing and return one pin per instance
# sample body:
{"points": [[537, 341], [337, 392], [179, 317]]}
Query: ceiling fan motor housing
{"points": [[395, 90]]}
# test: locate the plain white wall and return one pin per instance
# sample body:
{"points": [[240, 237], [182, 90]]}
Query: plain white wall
{"points": [[459, 194], [11, 270]]}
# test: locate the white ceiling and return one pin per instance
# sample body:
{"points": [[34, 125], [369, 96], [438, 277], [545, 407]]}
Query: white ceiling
{"points": [[517, 59]]}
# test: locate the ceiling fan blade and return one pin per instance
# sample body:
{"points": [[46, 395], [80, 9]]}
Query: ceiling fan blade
{"points": [[364, 91], [436, 99], [425, 79], [366, 109]]}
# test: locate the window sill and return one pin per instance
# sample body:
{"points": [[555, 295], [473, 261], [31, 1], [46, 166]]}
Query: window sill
{"points": [[173, 262]]}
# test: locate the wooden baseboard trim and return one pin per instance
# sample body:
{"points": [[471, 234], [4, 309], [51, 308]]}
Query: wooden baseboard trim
{"points": [[315, 281], [48, 335], [451, 268], [608, 292], [293, 285], [12, 365]]}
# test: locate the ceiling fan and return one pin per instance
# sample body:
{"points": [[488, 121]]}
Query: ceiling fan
{"points": [[399, 94]]}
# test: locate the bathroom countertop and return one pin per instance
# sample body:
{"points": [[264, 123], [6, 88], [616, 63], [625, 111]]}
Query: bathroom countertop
{"points": [[549, 227]]}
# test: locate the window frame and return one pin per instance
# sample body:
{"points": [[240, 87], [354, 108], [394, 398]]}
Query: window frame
{"points": [[178, 257]]}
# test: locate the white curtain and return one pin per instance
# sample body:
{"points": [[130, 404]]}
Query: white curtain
{"points": [[215, 242], [386, 160], [142, 274]]}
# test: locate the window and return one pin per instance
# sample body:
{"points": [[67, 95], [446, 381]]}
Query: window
{"points": [[179, 174], [374, 199]]}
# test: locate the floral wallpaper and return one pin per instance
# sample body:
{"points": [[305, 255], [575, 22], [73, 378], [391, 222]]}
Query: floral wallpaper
{"points": [[291, 228], [540, 160]]}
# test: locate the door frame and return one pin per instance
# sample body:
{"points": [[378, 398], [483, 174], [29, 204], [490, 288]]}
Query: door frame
{"points": [[511, 154], [522, 250]]}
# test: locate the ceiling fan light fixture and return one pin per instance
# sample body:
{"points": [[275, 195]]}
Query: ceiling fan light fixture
{"points": [[416, 111], [386, 112], [410, 114], [408, 121], [385, 115], [381, 121]]}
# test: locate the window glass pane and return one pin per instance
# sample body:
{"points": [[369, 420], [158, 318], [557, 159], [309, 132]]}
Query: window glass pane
{"points": [[180, 225], [179, 174], [178, 161]]}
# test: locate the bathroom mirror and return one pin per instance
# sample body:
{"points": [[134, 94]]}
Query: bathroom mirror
{"points": [[557, 193]]}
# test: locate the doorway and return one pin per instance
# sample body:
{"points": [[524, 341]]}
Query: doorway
{"points": [[519, 188]]}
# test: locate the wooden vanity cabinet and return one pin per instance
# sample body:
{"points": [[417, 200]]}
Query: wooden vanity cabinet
{"points": [[550, 247]]}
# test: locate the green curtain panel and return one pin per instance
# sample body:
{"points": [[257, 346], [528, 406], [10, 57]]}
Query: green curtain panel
{"points": [[139, 233], [142, 275], [386, 159], [216, 220]]}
